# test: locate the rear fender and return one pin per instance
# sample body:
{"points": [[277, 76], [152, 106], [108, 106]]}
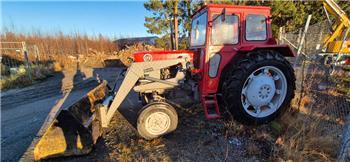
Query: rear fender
{"points": [[283, 49]]}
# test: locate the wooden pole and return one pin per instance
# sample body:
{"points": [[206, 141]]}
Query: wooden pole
{"points": [[37, 55], [176, 32], [188, 2], [280, 35], [171, 34], [300, 46], [26, 61], [299, 36]]}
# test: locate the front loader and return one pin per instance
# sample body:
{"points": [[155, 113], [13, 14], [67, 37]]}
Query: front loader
{"points": [[233, 63]]}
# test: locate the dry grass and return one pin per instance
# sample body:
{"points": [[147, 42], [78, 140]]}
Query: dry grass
{"points": [[57, 67], [62, 44], [304, 104], [67, 49], [305, 139], [125, 55], [22, 77], [312, 132], [62, 51], [253, 149], [59, 47]]}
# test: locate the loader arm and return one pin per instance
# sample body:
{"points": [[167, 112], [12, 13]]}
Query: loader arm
{"points": [[75, 129], [140, 70]]}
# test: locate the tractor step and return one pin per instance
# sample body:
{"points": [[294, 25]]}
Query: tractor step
{"points": [[211, 107]]}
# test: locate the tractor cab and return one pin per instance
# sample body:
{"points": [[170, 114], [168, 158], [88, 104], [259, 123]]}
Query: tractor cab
{"points": [[218, 32], [228, 25]]}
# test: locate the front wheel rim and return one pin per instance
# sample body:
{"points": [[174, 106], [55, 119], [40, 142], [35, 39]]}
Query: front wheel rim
{"points": [[157, 123], [264, 91]]}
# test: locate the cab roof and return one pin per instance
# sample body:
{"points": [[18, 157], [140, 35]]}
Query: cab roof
{"points": [[208, 6]]}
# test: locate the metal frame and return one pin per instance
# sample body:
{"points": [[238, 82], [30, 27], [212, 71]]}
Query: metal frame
{"points": [[149, 71]]}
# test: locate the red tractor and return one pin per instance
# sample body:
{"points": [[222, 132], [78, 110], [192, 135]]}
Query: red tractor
{"points": [[233, 63]]}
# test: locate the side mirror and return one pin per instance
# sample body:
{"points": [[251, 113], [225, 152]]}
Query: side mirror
{"points": [[223, 15], [223, 18]]}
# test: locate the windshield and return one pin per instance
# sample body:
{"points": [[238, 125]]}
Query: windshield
{"points": [[198, 29]]}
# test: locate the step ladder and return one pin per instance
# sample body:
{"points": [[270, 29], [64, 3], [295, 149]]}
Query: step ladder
{"points": [[211, 107]]}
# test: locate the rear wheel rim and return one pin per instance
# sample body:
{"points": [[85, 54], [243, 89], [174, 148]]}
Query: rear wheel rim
{"points": [[157, 123], [264, 91]]}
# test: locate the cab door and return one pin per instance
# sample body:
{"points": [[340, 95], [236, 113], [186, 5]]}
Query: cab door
{"points": [[222, 42]]}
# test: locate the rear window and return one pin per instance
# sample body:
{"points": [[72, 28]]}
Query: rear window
{"points": [[256, 27]]}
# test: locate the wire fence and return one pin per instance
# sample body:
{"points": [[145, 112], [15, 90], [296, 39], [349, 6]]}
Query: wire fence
{"points": [[16, 53], [13, 56], [323, 90], [22, 64]]}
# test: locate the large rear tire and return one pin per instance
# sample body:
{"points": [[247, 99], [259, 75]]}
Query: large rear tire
{"points": [[156, 119], [258, 87]]}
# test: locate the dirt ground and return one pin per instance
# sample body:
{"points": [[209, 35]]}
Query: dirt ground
{"points": [[195, 139], [24, 110]]}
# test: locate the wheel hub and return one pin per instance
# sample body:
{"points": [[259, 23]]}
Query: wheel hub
{"points": [[157, 123], [264, 91], [260, 90]]}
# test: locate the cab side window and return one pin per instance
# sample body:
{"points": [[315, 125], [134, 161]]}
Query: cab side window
{"points": [[256, 27], [225, 32]]}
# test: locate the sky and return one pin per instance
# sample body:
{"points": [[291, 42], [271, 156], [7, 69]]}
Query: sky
{"points": [[114, 19]]}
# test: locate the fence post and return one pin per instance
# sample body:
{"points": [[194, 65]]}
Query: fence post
{"points": [[280, 35], [300, 46], [26, 61], [37, 56], [300, 73], [299, 36]]}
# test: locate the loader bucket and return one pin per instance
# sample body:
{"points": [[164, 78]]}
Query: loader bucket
{"points": [[74, 130]]}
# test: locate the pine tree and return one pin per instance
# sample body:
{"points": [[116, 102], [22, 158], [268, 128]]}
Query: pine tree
{"points": [[289, 14], [163, 21]]}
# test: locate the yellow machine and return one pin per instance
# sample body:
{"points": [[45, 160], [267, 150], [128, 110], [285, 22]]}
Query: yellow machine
{"points": [[337, 42]]}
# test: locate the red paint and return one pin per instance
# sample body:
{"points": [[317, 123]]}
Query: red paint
{"points": [[347, 62], [200, 54], [163, 55]]}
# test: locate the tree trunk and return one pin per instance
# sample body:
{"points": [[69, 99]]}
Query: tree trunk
{"points": [[171, 36], [176, 33], [188, 4]]}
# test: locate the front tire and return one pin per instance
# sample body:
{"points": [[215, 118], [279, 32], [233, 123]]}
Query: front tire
{"points": [[258, 87], [156, 119]]}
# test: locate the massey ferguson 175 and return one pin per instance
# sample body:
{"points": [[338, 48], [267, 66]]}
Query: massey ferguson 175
{"points": [[233, 63]]}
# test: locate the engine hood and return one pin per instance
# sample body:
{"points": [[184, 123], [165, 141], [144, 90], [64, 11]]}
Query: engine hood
{"points": [[161, 55]]}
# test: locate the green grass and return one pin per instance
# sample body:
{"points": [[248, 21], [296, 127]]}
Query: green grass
{"points": [[343, 86], [346, 67]]}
